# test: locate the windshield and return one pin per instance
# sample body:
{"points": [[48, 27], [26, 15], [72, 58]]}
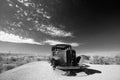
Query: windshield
{"points": [[60, 47]]}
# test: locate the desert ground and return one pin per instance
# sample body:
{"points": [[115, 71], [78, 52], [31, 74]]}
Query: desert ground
{"points": [[43, 71]]}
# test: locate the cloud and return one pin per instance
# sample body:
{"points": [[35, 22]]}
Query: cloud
{"points": [[74, 44], [54, 42], [6, 37], [53, 31]]}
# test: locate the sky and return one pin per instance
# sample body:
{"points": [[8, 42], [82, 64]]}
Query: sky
{"points": [[34, 26]]}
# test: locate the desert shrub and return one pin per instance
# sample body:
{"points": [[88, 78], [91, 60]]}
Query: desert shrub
{"points": [[1, 58], [38, 59], [19, 63], [1, 68], [95, 60], [117, 59], [105, 60], [9, 66], [13, 59]]}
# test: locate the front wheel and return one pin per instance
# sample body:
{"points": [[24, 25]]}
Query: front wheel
{"points": [[53, 64]]}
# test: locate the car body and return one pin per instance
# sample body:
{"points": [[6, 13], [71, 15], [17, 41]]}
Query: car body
{"points": [[64, 57]]}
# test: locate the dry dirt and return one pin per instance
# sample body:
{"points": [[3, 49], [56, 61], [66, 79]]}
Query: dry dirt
{"points": [[43, 71]]}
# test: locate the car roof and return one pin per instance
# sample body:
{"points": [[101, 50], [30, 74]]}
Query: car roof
{"points": [[61, 46]]}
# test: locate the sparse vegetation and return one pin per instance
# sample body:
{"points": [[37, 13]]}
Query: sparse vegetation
{"points": [[10, 61], [105, 60]]}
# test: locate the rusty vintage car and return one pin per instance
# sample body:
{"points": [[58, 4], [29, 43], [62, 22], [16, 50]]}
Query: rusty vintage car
{"points": [[64, 57]]}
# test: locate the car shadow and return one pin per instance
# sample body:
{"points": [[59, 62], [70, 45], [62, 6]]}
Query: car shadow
{"points": [[91, 71], [86, 70]]}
